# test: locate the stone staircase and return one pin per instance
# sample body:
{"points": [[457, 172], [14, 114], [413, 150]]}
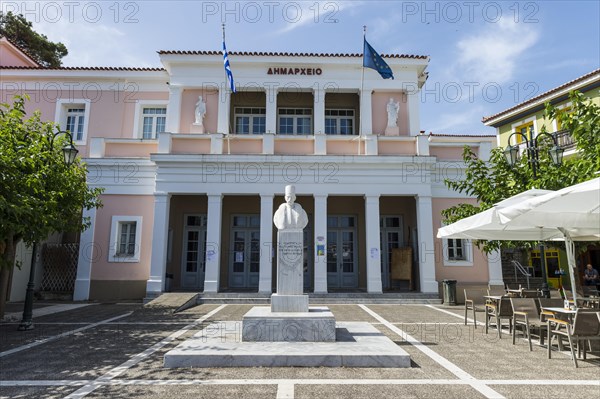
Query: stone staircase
{"points": [[323, 299]]}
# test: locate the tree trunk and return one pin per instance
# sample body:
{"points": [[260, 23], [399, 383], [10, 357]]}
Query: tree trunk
{"points": [[6, 265]]}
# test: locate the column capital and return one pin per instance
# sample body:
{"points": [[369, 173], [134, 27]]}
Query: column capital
{"points": [[320, 196], [161, 197], [175, 89], [372, 197], [267, 195]]}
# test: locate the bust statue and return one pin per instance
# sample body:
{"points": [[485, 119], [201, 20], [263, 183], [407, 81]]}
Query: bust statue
{"points": [[200, 111], [290, 215], [392, 110]]}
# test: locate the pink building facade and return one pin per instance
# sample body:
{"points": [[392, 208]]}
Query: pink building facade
{"points": [[193, 172]]}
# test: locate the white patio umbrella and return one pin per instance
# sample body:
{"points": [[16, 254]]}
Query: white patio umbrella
{"points": [[573, 210], [570, 214], [486, 225]]}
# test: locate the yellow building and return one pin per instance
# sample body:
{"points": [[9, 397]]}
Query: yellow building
{"points": [[528, 118]]}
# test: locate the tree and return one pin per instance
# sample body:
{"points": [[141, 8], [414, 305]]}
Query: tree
{"points": [[39, 193], [20, 31], [491, 182]]}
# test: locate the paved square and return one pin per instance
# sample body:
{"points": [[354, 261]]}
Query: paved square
{"points": [[111, 350]]}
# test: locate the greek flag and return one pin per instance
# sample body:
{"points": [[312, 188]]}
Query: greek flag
{"points": [[374, 61], [228, 69]]}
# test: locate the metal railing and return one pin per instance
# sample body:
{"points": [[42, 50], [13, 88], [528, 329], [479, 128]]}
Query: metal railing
{"points": [[60, 267], [521, 269], [564, 139]]}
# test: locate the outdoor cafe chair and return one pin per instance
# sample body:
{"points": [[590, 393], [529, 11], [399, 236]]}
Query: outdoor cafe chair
{"points": [[525, 315], [499, 310], [530, 294], [585, 327], [548, 303], [496, 290], [475, 301]]}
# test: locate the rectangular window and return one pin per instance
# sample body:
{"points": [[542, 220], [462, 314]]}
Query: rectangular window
{"points": [[456, 249], [154, 120], [250, 120], [525, 129], [339, 121], [75, 122], [126, 241], [295, 121]]}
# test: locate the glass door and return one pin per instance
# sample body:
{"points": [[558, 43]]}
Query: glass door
{"points": [[245, 252], [342, 265], [391, 237], [194, 252]]}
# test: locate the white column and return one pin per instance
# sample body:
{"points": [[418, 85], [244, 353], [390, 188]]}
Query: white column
{"points": [[174, 109], [271, 111], [86, 258], [423, 145], [156, 283], [366, 112], [320, 228], [374, 285], [426, 245], [494, 268], [223, 120], [414, 124], [266, 243], [319, 110], [213, 243]]}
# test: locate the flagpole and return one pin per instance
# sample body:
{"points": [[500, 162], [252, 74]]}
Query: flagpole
{"points": [[362, 83], [228, 93]]}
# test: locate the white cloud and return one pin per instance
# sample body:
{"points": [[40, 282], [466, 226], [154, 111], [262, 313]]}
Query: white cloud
{"points": [[91, 44], [315, 12], [493, 55], [457, 121]]}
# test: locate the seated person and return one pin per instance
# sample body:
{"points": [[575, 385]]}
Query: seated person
{"points": [[590, 275]]}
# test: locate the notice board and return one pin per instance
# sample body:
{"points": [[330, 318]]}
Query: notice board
{"points": [[402, 265]]}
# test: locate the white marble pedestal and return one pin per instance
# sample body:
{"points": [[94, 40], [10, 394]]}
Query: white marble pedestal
{"points": [[262, 325], [197, 128], [392, 131]]}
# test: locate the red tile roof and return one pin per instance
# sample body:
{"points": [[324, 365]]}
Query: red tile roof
{"points": [[536, 98], [286, 54], [22, 50]]}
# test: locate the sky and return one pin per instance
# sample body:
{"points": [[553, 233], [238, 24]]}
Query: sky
{"points": [[486, 56]]}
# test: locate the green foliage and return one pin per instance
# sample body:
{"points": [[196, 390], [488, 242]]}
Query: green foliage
{"points": [[493, 181], [584, 124], [39, 193], [19, 31]]}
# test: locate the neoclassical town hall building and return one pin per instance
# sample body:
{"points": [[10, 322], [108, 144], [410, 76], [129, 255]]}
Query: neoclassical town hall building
{"points": [[193, 172]]}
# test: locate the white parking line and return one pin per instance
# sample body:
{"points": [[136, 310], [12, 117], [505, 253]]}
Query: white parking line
{"points": [[55, 337], [115, 372], [469, 320], [285, 390], [442, 361], [292, 382]]}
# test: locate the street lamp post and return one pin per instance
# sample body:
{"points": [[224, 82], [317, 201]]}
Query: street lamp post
{"points": [[511, 153], [70, 153]]}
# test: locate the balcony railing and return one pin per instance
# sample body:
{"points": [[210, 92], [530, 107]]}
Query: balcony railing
{"points": [[564, 139]]}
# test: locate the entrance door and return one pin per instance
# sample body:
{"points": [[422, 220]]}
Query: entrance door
{"points": [[342, 265], [244, 257], [391, 237], [194, 252]]}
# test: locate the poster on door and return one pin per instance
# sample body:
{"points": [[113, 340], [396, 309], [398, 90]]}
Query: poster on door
{"points": [[239, 257]]}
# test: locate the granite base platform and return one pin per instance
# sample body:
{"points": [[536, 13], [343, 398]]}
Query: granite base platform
{"points": [[358, 344], [260, 324]]}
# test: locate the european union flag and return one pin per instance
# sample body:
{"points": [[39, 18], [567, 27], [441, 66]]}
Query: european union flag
{"points": [[374, 61], [228, 68]]}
